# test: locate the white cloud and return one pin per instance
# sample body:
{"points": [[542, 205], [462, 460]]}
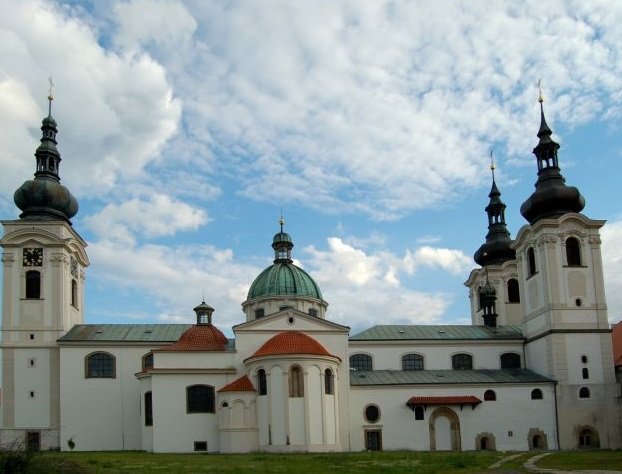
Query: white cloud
{"points": [[378, 108], [364, 289], [453, 261], [158, 216], [612, 264], [115, 111], [173, 279]]}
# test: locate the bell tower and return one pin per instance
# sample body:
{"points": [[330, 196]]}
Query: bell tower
{"points": [[44, 263], [564, 309]]}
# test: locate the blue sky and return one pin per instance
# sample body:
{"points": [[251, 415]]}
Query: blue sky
{"points": [[186, 128]]}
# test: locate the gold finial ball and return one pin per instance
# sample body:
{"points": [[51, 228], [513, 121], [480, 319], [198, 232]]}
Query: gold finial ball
{"points": [[492, 166], [281, 221]]}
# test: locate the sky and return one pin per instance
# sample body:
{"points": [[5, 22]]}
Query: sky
{"points": [[187, 128]]}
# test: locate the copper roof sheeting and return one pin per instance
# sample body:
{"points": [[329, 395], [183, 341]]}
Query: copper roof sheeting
{"points": [[437, 332]]}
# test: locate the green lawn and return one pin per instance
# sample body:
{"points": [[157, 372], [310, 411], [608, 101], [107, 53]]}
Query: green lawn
{"points": [[388, 461]]}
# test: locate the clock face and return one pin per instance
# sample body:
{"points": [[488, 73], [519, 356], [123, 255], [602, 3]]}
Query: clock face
{"points": [[33, 257], [74, 267]]}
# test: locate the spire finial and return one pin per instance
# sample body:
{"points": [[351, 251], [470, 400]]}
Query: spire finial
{"points": [[492, 165], [50, 95], [540, 97], [281, 221]]}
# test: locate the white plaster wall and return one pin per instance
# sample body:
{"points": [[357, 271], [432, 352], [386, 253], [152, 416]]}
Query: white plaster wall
{"points": [[175, 430], [101, 413], [146, 431], [400, 430], [437, 354], [33, 412], [193, 360]]}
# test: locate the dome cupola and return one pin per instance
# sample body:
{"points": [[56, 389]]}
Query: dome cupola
{"points": [[44, 198], [552, 198], [283, 278]]}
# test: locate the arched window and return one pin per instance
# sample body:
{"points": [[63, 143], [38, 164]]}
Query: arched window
{"points": [[361, 362], [74, 293], [148, 361], [584, 392], [490, 396], [148, 409], [510, 360], [100, 365], [419, 412], [585, 373], [536, 394], [263, 384], [200, 399], [461, 362], [412, 362], [573, 252], [513, 292], [531, 258], [329, 388], [588, 438], [33, 284], [296, 382]]}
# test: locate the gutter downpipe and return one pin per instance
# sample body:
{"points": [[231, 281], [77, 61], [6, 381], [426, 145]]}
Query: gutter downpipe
{"points": [[556, 417]]}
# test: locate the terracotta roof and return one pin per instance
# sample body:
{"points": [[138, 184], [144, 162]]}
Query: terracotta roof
{"points": [[291, 342], [243, 384], [455, 400], [200, 337]]}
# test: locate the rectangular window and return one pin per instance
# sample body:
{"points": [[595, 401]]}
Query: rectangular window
{"points": [[148, 409], [200, 445]]}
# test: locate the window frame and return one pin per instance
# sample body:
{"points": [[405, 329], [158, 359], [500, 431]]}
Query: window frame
{"points": [[490, 396], [329, 382], [197, 404], [369, 419], [147, 361], [412, 362], [106, 372], [361, 359], [503, 360], [296, 382], [33, 285], [532, 268], [513, 289], [262, 382], [459, 359], [573, 252], [148, 400]]}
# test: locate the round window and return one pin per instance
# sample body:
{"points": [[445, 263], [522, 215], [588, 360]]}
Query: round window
{"points": [[372, 413]]}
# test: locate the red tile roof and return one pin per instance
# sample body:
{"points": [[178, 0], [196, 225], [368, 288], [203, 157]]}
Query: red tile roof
{"points": [[455, 400], [243, 384], [291, 342], [200, 337]]}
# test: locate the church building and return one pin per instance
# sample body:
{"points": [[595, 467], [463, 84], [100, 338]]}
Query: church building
{"points": [[534, 369]]}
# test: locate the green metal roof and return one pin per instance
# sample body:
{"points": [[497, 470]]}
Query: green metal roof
{"points": [[284, 279], [437, 332], [426, 377], [125, 332]]}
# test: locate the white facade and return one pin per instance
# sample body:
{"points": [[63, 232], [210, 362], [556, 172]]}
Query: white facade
{"points": [[292, 380]]}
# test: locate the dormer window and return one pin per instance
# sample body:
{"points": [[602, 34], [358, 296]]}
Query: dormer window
{"points": [[259, 313]]}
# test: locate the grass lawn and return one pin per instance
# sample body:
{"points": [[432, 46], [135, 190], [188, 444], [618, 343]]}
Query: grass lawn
{"points": [[388, 461]]}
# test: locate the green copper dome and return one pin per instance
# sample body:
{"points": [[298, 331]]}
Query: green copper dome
{"points": [[283, 278]]}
